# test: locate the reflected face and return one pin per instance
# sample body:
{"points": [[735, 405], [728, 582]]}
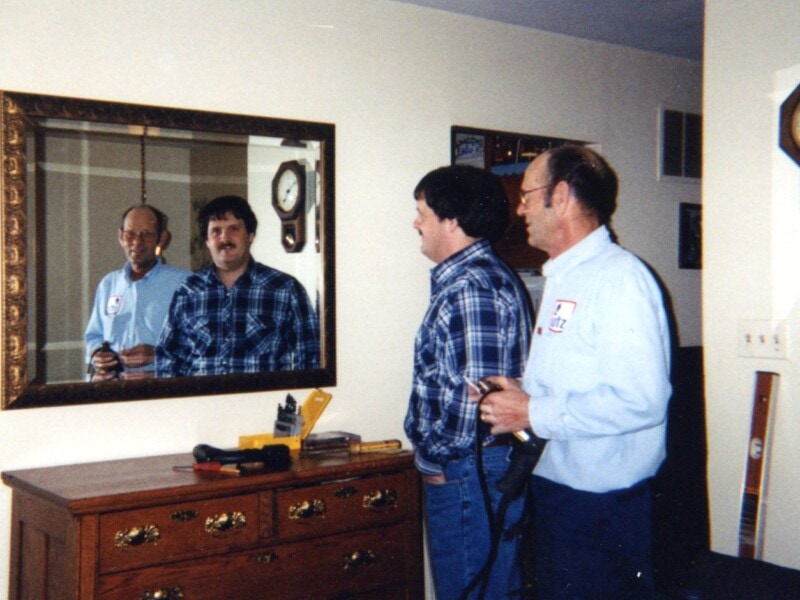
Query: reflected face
{"points": [[229, 242], [432, 230], [139, 239]]}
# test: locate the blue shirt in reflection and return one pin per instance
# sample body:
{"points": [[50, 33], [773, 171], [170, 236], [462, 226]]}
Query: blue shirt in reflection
{"points": [[127, 313], [265, 322]]}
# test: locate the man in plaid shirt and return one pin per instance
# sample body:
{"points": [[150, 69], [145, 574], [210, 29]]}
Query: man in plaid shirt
{"points": [[236, 316], [478, 323]]}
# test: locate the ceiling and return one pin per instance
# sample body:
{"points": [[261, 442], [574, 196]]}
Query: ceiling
{"points": [[672, 27]]}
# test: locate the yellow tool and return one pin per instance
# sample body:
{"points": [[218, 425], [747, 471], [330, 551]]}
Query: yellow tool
{"points": [[312, 408], [382, 446]]}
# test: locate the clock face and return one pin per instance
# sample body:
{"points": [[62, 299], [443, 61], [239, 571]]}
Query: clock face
{"points": [[288, 190]]}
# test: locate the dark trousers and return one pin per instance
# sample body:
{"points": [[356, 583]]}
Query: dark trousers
{"points": [[592, 546]]}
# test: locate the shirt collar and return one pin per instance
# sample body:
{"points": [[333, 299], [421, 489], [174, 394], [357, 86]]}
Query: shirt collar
{"points": [[452, 265], [148, 275], [248, 275], [588, 247]]}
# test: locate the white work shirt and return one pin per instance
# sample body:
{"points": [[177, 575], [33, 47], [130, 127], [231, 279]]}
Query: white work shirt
{"points": [[598, 370]]}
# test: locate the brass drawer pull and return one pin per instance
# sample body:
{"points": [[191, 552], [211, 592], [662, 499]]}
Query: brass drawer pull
{"points": [[380, 499], [307, 510], [173, 593], [183, 515], [136, 536], [225, 522], [358, 558]]}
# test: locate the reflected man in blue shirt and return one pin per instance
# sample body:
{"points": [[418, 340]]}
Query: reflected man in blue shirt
{"points": [[131, 304]]}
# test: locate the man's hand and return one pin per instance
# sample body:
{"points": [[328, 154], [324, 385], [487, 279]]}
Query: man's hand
{"points": [[138, 356], [435, 479], [104, 365], [506, 409], [137, 375]]}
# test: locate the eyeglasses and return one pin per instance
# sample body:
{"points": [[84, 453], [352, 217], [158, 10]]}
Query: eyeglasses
{"points": [[145, 236], [524, 193]]}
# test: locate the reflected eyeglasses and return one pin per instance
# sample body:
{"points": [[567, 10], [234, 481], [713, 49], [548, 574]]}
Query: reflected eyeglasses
{"points": [[145, 236]]}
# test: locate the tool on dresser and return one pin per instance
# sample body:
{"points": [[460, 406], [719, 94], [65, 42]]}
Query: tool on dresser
{"points": [[292, 425]]}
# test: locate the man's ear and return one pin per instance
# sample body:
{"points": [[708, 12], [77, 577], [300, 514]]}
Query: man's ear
{"points": [[560, 196], [163, 242], [121, 237]]}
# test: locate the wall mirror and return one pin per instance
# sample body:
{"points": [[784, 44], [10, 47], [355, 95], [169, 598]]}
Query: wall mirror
{"points": [[70, 167]]}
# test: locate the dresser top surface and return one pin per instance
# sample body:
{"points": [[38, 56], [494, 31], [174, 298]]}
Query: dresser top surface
{"points": [[117, 484]]}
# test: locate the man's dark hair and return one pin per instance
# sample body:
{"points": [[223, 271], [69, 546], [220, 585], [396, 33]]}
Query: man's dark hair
{"points": [[223, 205], [591, 179], [161, 219], [472, 196]]}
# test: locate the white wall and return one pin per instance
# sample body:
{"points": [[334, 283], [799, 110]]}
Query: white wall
{"points": [[751, 195], [393, 78]]}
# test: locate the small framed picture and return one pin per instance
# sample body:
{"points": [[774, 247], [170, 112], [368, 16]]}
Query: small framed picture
{"points": [[690, 236]]}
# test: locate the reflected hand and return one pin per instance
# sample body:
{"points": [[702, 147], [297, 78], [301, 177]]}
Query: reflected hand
{"points": [[104, 365], [103, 375], [137, 374], [138, 356]]}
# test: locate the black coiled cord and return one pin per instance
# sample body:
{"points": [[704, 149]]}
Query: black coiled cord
{"points": [[524, 457]]}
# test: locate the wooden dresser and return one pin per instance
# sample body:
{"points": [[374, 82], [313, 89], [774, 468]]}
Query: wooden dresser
{"points": [[333, 526]]}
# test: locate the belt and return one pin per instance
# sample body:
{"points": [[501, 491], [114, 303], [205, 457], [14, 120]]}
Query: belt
{"points": [[500, 440]]}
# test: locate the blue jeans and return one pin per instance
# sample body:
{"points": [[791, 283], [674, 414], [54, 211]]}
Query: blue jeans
{"points": [[458, 533]]}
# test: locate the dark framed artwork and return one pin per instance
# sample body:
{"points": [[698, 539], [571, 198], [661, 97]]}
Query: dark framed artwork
{"points": [[507, 155], [690, 236]]}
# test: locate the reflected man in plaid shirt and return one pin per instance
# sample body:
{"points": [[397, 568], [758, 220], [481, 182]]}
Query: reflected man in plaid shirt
{"points": [[238, 315]]}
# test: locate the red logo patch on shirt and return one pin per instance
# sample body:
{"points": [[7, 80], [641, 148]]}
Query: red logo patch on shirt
{"points": [[113, 305], [561, 314]]}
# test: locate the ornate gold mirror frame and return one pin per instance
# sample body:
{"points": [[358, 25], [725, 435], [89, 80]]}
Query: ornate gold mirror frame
{"points": [[18, 119]]}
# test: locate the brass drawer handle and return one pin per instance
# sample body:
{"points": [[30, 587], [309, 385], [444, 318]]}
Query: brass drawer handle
{"points": [[183, 515], [225, 522], [307, 510], [173, 593], [380, 499], [136, 536], [358, 558]]}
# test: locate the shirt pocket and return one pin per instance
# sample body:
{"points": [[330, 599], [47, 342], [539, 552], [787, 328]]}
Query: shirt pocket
{"points": [[261, 335]]}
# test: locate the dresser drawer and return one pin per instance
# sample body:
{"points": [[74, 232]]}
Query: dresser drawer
{"points": [[148, 536], [340, 506], [334, 566]]}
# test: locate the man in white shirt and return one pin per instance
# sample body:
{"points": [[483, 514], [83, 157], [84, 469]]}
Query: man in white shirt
{"points": [[596, 386], [131, 304]]}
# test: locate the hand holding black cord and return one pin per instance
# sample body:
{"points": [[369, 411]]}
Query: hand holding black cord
{"points": [[527, 450]]}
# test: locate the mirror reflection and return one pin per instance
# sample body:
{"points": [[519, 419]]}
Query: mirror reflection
{"points": [[86, 164]]}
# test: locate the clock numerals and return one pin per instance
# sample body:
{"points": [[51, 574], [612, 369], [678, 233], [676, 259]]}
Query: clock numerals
{"points": [[288, 190]]}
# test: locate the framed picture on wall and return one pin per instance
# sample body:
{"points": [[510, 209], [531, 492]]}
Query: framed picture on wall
{"points": [[507, 155], [690, 236]]}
